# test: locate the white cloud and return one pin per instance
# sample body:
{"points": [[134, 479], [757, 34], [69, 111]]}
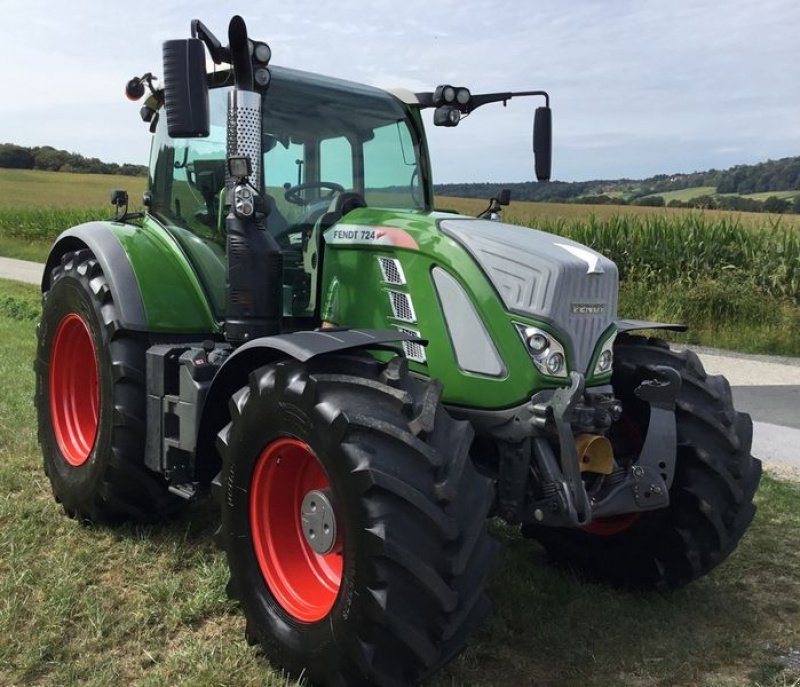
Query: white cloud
{"points": [[638, 87]]}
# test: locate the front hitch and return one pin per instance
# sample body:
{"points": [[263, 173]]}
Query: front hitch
{"points": [[563, 499]]}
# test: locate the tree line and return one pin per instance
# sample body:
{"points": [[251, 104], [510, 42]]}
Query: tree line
{"points": [[48, 158], [773, 175]]}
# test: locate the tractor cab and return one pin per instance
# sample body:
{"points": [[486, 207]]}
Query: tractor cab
{"points": [[328, 147]]}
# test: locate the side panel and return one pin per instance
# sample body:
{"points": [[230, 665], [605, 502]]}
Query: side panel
{"points": [[356, 294], [150, 277]]}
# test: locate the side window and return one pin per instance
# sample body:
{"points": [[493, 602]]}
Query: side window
{"points": [[189, 174], [390, 168], [284, 167], [187, 193], [336, 162]]}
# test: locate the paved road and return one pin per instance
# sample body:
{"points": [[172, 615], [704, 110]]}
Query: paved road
{"points": [[767, 387], [21, 270]]}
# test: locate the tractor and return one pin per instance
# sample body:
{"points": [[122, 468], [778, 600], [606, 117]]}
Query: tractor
{"points": [[361, 381]]}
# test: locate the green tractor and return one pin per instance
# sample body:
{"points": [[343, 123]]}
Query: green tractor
{"points": [[363, 381]]}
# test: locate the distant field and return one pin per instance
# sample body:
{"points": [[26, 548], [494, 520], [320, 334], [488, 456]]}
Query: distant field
{"points": [[767, 194], [24, 188], [525, 212], [686, 194]]}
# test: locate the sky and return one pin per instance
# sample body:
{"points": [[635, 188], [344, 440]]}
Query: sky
{"points": [[638, 87]]}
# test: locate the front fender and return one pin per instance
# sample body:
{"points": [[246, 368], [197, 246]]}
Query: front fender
{"points": [[302, 346]]}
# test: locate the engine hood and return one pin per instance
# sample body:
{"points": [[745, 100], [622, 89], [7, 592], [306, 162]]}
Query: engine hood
{"points": [[545, 277]]}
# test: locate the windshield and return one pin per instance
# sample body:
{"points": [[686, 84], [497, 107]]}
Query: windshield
{"points": [[330, 136]]}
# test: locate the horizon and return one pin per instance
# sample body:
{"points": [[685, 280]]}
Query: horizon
{"points": [[447, 183]]}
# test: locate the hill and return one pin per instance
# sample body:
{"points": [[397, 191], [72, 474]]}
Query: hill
{"points": [[771, 186]]}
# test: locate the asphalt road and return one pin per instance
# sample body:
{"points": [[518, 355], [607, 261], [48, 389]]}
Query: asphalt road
{"points": [[767, 387]]}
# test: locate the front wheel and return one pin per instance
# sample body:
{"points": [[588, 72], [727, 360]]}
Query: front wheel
{"points": [[353, 521], [711, 497]]}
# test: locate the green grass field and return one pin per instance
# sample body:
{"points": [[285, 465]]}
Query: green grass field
{"points": [[146, 606], [29, 188], [686, 194]]}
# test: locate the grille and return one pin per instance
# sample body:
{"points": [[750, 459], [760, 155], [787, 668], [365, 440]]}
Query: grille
{"points": [[402, 308], [413, 350], [392, 271]]}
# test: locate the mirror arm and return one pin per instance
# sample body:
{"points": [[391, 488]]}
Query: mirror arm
{"points": [[215, 49], [425, 100]]}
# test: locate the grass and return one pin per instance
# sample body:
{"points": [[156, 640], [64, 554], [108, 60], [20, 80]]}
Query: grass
{"points": [[686, 194], [146, 605], [29, 188]]}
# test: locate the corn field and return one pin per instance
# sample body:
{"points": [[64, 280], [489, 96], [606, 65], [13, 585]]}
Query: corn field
{"points": [[45, 224], [654, 249], [692, 249]]}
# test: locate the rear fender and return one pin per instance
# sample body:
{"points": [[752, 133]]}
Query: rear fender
{"points": [[153, 284], [115, 264]]}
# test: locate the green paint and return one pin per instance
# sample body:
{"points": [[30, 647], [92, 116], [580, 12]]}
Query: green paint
{"points": [[174, 300], [354, 283]]}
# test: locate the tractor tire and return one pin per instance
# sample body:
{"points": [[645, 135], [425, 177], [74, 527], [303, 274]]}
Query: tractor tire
{"points": [[711, 497], [90, 400], [398, 591]]}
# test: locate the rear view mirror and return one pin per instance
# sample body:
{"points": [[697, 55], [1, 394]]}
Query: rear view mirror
{"points": [[186, 88], [543, 142], [504, 198]]}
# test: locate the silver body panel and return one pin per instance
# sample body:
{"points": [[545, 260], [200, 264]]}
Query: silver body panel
{"points": [[545, 277]]}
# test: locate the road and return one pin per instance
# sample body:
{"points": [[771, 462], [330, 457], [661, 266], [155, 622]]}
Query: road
{"points": [[767, 387]]}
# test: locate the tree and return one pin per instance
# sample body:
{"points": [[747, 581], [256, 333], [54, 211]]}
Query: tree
{"points": [[15, 157], [776, 205]]}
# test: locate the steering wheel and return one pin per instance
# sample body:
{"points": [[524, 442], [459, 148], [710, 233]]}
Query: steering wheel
{"points": [[292, 194]]}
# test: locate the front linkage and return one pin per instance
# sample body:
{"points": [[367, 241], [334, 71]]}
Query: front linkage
{"points": [[540, 485]]}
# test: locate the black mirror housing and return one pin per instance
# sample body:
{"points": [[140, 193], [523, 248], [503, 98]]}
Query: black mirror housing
{"points": [[186, 88], [504, 197], [543, 142]]}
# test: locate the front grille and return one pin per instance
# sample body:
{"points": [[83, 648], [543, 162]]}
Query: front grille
{"points": [[402, 308]]}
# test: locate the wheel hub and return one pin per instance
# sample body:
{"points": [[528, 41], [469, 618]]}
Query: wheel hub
{"points": [[319, 521]]}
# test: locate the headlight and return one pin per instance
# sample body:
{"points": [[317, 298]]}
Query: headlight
{"points": [[547, 353], [605, 360]]}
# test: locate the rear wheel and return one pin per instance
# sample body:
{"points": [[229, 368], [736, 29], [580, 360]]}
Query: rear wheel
{"points": [[711, 497], [353, 521], [90, 400]]}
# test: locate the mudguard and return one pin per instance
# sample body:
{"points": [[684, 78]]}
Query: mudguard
{"points": [[301, 346], [116, 267], [638, 325], [152, 283]]}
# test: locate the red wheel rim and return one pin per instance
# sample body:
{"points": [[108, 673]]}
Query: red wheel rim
{"points": [[608, 527], [302, 581], [74, 390]]}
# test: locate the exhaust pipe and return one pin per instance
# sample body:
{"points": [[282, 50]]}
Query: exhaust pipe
{"points": [[255, 263]]}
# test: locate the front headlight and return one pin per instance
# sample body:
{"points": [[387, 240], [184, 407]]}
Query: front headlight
{"points": [[546, 351], [605, 361]]}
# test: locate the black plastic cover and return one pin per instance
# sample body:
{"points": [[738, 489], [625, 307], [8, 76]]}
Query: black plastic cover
{"points": [[186, 88]]}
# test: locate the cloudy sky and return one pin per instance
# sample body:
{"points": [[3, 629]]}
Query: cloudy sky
{"points": [[638, 87]]}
